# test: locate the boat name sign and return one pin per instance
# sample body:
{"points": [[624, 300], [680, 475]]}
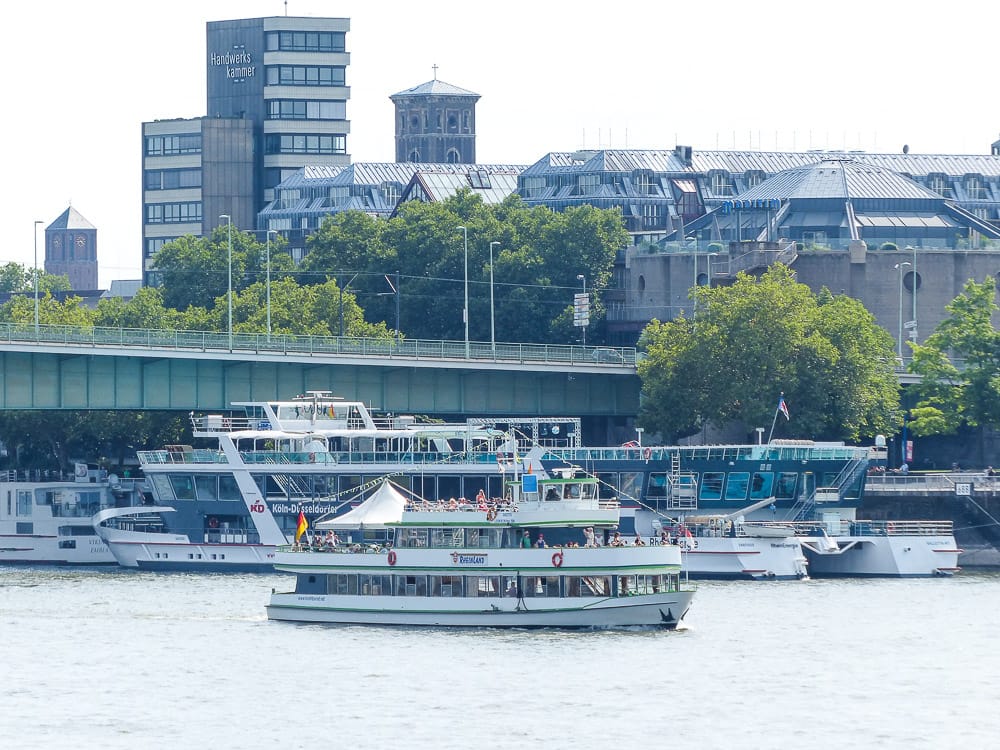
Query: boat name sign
{"points": [[310, 508], [464, 558]]}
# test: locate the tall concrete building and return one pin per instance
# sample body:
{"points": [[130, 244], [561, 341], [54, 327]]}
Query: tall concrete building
{"points": [[276, 101], [436, 123]]}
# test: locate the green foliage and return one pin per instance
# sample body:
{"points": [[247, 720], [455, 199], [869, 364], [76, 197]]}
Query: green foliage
{"points": [[752, 341], [959, 365]]}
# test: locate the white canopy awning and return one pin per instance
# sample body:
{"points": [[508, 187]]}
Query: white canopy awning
{"points": [[384, 507]]}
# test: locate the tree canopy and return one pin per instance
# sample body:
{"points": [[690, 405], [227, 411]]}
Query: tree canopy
{"points": [[959, 365], [750, 342]]}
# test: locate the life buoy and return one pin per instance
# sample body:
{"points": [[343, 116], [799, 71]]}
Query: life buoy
{"points": [[557, 559], [392, 557], [491, 514], [213, 522]]}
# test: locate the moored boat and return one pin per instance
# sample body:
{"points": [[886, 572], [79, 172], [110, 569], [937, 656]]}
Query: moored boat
{"points": [[47, 519], [535, 559]]}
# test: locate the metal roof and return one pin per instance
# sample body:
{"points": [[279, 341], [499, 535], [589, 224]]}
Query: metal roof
{"points": [[71, 219], [434, 88], [842, 179]]}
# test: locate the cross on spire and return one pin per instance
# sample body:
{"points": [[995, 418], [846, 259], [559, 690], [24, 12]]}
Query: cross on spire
{"points": [[435, 68]]}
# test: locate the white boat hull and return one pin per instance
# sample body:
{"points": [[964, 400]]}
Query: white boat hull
{"points": [[654, 610], [763, 558], [902, 556], [53, 550]]}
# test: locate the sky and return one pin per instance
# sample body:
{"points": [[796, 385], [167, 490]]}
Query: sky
{"points": [[553, 75]]}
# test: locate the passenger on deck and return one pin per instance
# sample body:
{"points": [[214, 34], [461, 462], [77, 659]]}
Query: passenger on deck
{"points": [[617, 541], [540, 542], [526, 540], [588, 537], [638, 541]]}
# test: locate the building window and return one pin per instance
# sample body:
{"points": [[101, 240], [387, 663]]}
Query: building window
{"points": [[465, 121], [974, 186], [305, 75], [302, 143], [153, 244], [721, 184], [532, 187], [588, 183], [650, 216], [171, 145], [643, 183], [306, 41], [754, 178], [414, 156], [480, 179], [173, 213], [390, 192], [939, 184], [453, 157], [173, 179], [303, 109]]}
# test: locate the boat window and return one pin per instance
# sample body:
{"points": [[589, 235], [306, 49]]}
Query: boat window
{"points": [[447, 586], [375, 585], [737, 484], [414, 537], [572, 491], [589, 491], [596, 586], [183, 486], [447, 538], [631, 485], [343, 584], [607, 485], [761, 485], [228, 489], [483, 585], [449, 487], [207, 486], [24, 503], [411, 585], [540, 586], [786, 485], [657, 486], [551, 494], [711, 485], [508, 586]]}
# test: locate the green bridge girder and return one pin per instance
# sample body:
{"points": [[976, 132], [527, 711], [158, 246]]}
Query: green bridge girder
{"points": [[50, 376]]}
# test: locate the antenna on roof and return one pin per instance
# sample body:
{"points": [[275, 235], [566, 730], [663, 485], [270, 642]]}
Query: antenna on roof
{"points": [[286, 7], [435, 68]]}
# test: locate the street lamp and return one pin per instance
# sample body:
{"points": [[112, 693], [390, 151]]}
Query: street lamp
{"points": [[229, 292], [465, 310], [269, 233], [581, 277], [35, 231], [493, 336], [901, 266]]}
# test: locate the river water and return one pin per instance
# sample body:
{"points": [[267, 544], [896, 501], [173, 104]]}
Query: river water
{"points": [[118, 659]]}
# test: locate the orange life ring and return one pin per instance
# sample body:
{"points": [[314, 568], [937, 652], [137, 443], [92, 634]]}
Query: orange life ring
{"points": [[392, 557], [557, 559], [213, 522]]}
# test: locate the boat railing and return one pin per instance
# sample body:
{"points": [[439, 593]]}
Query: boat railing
{"points": [[187, 456], [367, 457], [210, 423], [846, 527]]}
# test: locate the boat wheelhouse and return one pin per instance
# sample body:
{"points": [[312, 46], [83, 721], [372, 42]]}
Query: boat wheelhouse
{"points": [[534, 558]]}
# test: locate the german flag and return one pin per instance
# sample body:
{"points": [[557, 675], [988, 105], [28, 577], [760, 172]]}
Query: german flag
{"points": [[303, 525]]}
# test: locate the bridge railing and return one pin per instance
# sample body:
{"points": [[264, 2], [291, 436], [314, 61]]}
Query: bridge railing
{"points": [[261, 343]]}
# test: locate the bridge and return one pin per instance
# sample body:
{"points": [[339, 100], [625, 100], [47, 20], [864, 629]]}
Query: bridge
{"points": [[88, 367]]}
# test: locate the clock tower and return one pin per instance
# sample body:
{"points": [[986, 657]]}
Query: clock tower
{"points": [[71, 250]]}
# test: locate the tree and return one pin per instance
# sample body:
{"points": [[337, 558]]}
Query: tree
{"points": [[750, 342], [959, 365]]}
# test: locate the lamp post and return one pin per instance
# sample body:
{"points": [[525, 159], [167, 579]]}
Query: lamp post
{"points": [[901, 266], [465, 310], [581, 277], [34, 229], [493, 335], [229, 289], [269, 233]]}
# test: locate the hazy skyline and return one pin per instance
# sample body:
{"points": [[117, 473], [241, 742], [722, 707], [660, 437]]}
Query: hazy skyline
{"points": [[553, 76]]}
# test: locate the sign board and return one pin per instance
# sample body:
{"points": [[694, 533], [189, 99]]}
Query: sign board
{"points": [[581, 309], [963, 489], [529, 483]]}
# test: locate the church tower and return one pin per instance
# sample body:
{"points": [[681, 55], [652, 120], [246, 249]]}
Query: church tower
{"points": [[71, 250], [436, 123]]}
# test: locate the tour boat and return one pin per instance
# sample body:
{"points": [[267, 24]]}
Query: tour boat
{"points": [[544, 555], [46, 519]]}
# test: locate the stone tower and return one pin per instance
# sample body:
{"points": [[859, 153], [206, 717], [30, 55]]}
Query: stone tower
{"points": [[436, 123]]}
